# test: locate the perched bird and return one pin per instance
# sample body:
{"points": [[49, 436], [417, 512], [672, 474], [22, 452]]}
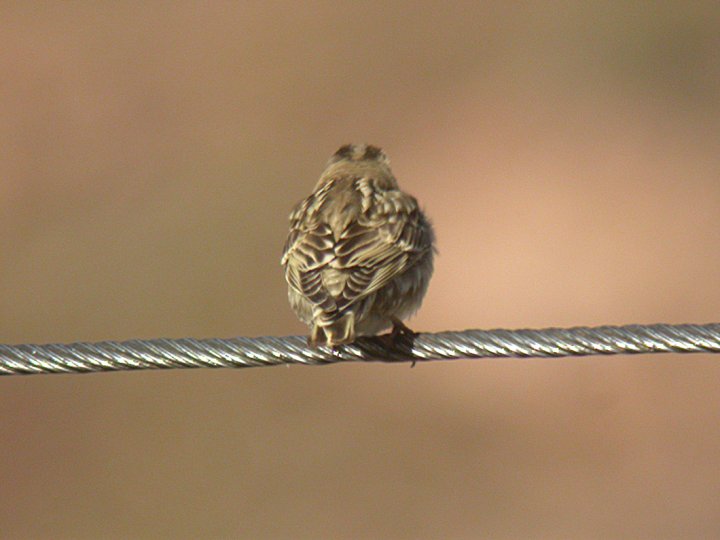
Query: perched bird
{"points": [[359, 255]]}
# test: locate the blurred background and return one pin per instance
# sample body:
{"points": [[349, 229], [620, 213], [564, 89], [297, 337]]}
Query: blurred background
{"points": [[569, 156]]}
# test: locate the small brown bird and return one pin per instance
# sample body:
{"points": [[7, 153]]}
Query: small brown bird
{"points": [[359, 255]]}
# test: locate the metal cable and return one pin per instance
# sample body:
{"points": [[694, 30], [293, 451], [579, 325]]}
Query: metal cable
{"points": [[271, 351]]}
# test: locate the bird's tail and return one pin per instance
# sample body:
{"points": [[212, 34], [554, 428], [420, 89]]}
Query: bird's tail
{"points": [[333, 332]]}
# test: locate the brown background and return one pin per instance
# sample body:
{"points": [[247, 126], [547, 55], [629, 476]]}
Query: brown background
{"points": [[569, 156]]}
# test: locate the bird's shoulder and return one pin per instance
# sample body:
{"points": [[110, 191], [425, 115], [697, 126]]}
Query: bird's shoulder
{"points": [[347, 213]]}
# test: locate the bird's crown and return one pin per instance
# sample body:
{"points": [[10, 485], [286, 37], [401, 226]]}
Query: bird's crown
{"points": [[359, 152]]}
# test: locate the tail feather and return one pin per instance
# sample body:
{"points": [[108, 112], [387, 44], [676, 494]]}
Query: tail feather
{"points": [[338, 331]]}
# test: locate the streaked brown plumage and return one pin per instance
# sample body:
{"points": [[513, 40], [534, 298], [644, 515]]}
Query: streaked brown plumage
{"points": [[359, 255]]}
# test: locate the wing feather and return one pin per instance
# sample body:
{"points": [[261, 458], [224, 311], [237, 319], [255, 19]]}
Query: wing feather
{"points": [[387, 237], [381, 245]]}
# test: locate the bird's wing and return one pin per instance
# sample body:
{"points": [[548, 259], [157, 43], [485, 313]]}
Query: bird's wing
{"points": [[382, 244], [309, 248], [386, 239]]}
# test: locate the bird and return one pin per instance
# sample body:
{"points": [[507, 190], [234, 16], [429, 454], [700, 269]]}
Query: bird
{"points": [[359, 255]]}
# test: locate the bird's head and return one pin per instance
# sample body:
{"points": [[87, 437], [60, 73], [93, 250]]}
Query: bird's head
{"points": [[359, 153]]}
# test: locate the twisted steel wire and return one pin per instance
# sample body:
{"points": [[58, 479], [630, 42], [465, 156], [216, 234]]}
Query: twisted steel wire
{"points": [[271, 351]]}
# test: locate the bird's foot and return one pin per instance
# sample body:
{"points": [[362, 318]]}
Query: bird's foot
{"points": [[399, 333], [399, 330]]}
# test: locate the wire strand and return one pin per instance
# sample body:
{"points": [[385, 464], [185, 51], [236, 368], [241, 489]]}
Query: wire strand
{"points": [[271, 351]]}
